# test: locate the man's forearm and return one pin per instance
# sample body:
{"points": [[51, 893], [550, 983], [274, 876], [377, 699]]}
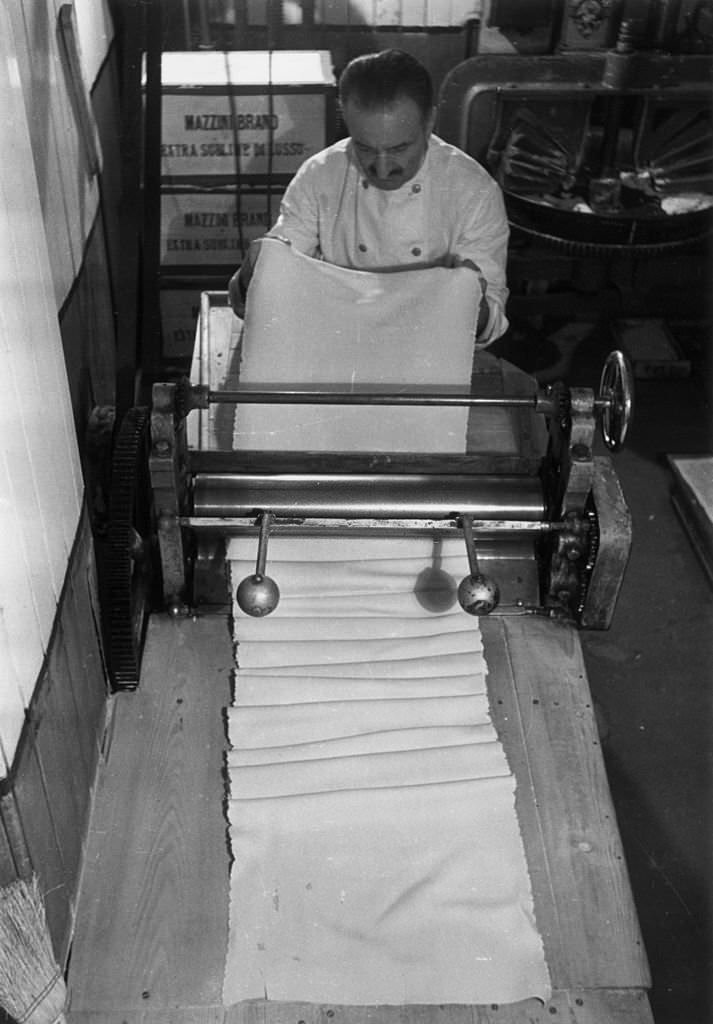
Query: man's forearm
{"points": [[483, 317], [240, 281]]}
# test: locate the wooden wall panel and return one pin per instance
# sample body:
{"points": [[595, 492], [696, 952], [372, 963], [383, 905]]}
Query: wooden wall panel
{"points": [[46, 799], [82, 668], [8, 868], [81, 627], [38, 831], [88, 337]]}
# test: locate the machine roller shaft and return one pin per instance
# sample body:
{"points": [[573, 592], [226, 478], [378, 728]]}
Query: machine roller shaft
{"points": [[296, 396], [367, 496]]}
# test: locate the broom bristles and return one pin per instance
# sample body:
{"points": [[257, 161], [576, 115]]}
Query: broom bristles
{"points": [[32, 988]]}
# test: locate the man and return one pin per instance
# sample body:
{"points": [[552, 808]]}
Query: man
{"points": [[393, 196]]}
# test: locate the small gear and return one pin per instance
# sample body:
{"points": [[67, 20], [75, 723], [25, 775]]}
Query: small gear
{"points": [[560, 394], [183, 398], [587, 568]]}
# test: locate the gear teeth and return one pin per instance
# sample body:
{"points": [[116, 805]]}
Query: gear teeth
{"points": [[578, 248], [182, 398], [128, 582], [592, 551]]}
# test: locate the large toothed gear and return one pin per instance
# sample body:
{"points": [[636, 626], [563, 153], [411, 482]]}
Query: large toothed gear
{"points": [[130, 557]]}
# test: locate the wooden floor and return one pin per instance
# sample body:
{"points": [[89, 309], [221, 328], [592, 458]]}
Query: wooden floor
{"points": [[151, 930]]}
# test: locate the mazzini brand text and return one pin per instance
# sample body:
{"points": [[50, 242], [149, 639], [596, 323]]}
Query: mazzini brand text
{"points": [[230, 122], [207, 219]]}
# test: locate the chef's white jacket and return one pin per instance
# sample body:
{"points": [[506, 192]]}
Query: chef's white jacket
{"points": [[452, 209]]}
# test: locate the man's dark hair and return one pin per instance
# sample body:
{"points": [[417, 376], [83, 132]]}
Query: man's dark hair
{"points": [[379, 79]]}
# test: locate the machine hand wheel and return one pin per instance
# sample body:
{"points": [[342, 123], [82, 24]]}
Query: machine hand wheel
{"points": [[616, 399]]}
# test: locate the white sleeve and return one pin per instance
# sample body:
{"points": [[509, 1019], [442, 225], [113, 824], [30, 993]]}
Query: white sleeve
{"points": [[298, 221], [483, 238]]}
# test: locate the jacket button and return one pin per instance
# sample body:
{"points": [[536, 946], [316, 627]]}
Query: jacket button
{"points": [[362, 247], [416, 251]]}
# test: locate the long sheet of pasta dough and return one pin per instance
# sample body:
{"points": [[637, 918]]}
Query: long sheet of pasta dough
{"points": [[377, 857]]}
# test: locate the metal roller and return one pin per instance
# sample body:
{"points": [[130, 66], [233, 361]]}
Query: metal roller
{"points": [[369, 496]]}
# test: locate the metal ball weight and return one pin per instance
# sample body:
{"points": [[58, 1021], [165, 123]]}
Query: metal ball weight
{"points": [[257, 595], [478, 594]]}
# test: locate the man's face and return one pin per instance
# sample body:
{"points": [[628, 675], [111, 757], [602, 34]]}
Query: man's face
{"points": [[390, 142]]}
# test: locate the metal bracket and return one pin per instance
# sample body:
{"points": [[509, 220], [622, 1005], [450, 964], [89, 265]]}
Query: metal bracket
{"points": [[167, 481]]}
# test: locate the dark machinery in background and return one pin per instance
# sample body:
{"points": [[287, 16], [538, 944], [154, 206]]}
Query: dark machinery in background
{"points": [[604, 150]]}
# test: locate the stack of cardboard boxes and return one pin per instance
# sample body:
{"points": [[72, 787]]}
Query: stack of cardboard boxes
{"points": [[235, 126]]}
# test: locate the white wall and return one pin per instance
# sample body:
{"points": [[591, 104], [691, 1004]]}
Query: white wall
{"points": [[96, 32], [48, 200], [68, 189]]}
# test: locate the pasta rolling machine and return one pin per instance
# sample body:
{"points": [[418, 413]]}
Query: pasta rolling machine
{"points": [[543, 518]]}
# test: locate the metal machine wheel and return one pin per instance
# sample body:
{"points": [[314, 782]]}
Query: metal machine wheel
{"points": [[130, 557], [617, 388]]}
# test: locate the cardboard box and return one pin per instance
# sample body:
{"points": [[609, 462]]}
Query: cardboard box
{"points": [[180, 308], [214, 228], [248, 115]]}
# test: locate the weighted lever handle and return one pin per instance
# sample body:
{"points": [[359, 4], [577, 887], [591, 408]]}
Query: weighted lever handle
{"points": [[477, 594], [616, 399], [258, 595]]}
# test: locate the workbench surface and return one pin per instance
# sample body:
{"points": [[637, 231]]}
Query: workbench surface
{"points": [[152, 920]]}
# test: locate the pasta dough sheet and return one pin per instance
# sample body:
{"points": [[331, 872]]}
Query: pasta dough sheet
{"points": [[377, 857], [367, 743], [276, 689], [385, 914], [310, 323]]}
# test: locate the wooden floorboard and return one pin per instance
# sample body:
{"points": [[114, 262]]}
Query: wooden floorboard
{"points": [[152, 922], [151, 930], [542, 708]]}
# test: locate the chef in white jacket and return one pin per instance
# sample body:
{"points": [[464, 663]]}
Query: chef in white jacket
{"points": [[393, 196]]}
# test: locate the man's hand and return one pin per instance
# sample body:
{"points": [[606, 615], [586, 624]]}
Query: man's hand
{"points": [[240, 281], [236, 296], [459, 261], [484, 309]]}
